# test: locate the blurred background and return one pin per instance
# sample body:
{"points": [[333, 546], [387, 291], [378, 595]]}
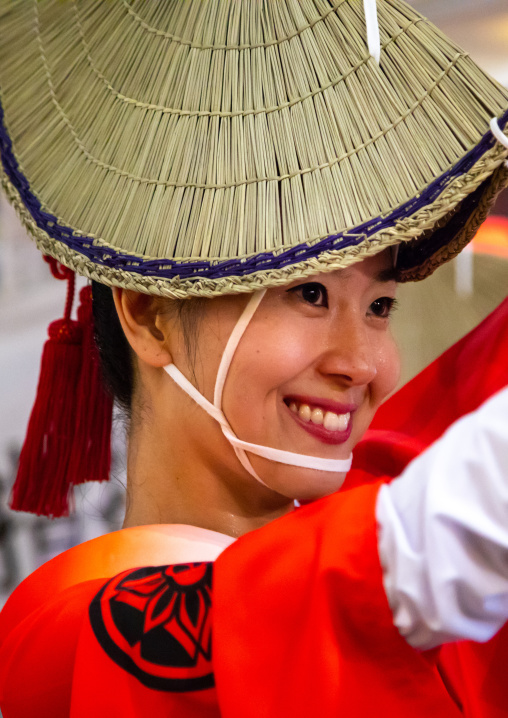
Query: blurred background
{"points": [[432, 315]]}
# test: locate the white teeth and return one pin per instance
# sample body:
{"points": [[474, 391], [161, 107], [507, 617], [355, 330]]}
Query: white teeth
{"points": [[336, 422], [328, 419], [304, 412], [317, 416]]}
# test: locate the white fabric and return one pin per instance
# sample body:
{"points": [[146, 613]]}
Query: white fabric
{"points": [[372, 24], [443, 533], [215, 410], [189, 544]]}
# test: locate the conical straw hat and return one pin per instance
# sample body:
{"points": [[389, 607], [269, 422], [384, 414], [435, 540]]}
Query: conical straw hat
{"points": [[201, 147]]}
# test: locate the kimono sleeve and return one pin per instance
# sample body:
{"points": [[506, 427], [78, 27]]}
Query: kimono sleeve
{"points": [[137, 644], [38, 652], [302, 624]]}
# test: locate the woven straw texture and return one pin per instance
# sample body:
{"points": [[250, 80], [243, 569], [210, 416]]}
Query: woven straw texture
{"points": [[211, 146]]}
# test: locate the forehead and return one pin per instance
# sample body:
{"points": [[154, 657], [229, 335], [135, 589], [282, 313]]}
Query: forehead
{"points": [[377, 268], [380, 267]]}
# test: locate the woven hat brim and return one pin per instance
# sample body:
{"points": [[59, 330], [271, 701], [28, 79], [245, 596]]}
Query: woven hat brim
{"points": [[312, 240], [434, 233]]}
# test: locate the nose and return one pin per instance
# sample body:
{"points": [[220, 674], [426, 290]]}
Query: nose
{"points": [[349, 354]]}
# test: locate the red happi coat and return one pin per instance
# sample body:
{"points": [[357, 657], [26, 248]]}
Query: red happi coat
{"points": [[290, 620]]}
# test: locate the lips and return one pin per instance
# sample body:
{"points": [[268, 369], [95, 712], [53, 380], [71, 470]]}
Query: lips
{"points": [[328, 421]]}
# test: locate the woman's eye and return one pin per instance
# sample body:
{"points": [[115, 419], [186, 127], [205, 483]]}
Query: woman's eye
{"points": [[312, 293], [383, 307]]}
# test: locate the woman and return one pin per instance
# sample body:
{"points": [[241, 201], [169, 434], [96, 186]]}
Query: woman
{"points": [[254, 161]]}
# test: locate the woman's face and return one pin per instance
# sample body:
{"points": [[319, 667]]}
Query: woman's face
{"points": [[314, 364]]}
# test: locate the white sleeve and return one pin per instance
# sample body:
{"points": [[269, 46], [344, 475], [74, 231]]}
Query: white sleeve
{"points": [[443, 533]]}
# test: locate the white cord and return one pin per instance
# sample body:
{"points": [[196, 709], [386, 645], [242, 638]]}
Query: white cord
{"points": [[288, 457], [232, 344], [371, 21], [222, 373], [498, 133], [213, 411]]}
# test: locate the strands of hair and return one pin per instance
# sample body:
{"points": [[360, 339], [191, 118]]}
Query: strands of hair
{"points": [[252, 126]]}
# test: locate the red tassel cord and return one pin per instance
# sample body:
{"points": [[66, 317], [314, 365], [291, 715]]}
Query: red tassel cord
{"points": [[91, 454], [68, 439], [42, 484]]}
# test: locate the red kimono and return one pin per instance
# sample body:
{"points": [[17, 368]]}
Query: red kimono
{"points": [[292, 619]]}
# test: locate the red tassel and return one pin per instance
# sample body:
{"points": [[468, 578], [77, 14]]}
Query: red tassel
{"points": [[68, 438], [91, 455], [42, 484]]}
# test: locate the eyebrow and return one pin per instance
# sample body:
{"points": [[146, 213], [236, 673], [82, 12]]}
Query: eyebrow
{"points": [[388, 275]]}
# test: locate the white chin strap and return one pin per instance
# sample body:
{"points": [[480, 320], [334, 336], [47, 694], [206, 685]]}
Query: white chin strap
{"points": [[372, 25], [215, 409]]}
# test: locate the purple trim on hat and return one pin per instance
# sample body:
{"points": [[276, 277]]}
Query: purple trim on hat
{"points": [[168, 269]]}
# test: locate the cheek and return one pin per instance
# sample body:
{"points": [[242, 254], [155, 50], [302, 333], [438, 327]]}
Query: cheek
{"points": [[269, 356], [388, 371]]}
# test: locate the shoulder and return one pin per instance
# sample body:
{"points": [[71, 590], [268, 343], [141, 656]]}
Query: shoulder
{"points": [[144, 634], [109, 555], [93, 607]]}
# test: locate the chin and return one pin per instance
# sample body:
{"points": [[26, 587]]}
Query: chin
{"points": [[296, 483]]}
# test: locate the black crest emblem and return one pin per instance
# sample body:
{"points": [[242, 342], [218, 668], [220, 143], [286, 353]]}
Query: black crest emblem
{"points": [[155, 623]]}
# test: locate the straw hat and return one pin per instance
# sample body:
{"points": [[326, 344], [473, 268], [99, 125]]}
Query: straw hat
{"points": [[209, 147]]}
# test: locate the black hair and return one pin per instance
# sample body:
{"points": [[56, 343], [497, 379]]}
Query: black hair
{"points": [[114, 350], [117, 360]]}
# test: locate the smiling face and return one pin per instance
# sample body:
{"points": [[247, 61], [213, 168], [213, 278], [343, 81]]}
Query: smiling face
{"points": [[314, 364]]}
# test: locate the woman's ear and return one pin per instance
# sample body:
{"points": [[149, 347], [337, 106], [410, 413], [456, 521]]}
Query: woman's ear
{"points": [[141, 322]]}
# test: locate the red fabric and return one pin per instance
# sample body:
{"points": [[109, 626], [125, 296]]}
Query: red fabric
{"points": [[477, 673], [310, 631], [37, 657], [130, 698], [51, 665]]}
